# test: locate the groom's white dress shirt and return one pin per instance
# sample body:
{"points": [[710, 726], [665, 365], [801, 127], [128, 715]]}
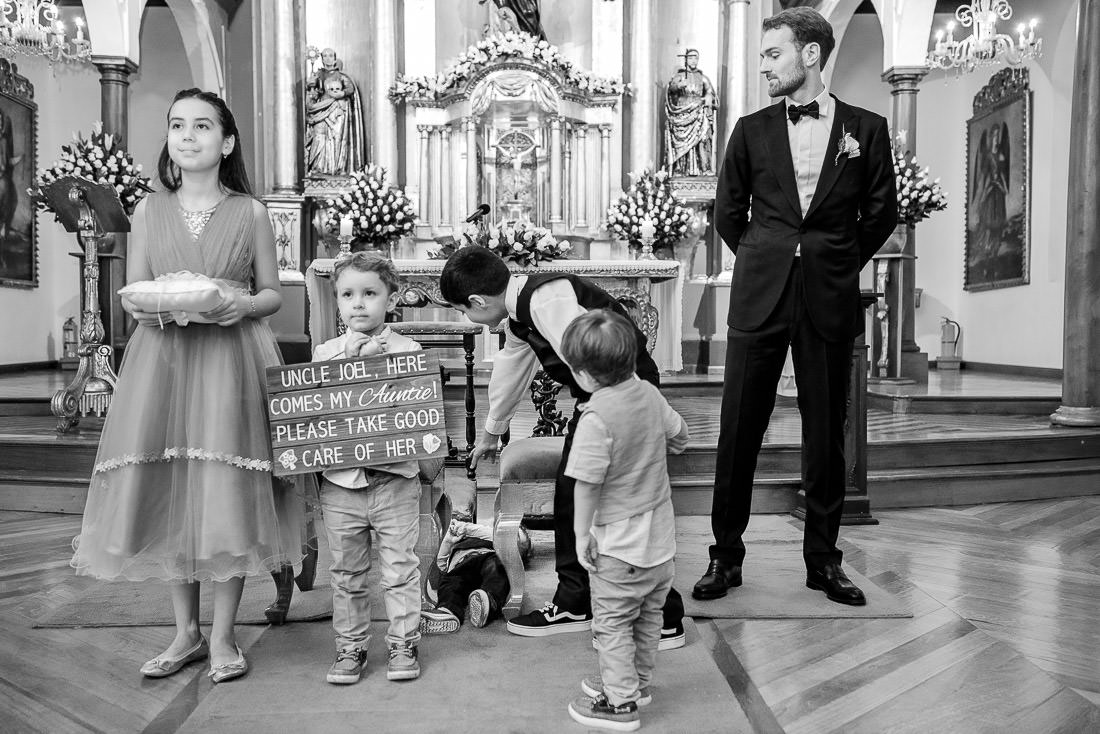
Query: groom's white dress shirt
{"points": [[808, 139]]}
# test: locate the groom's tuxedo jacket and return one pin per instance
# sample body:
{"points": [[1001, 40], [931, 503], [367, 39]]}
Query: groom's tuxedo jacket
{"points": [[853, 211]]}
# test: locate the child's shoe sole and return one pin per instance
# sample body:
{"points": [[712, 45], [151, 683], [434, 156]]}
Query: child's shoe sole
{"points": [[411, 674], [478, 608], [342, 680]]}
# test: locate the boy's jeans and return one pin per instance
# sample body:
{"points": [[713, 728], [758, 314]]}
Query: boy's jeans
{"points": [[392, 508], [626, 620]]}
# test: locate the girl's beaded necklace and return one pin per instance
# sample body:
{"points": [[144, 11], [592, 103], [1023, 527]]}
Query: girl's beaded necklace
{"points": [[196, 220]]}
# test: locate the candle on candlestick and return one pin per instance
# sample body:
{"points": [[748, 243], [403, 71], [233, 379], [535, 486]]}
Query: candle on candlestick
{"points": [[647, 230], [79, 29], [59, 33], [951, 33], [346, 227], [939, 42], [1022, 39]]}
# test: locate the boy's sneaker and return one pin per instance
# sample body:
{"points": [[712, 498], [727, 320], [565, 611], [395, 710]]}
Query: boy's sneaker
{"points": [[598, 713], [440, 620], [479, 608], [348, 666], [550, 620], [592, 686], [403, 663], [672, 637]]}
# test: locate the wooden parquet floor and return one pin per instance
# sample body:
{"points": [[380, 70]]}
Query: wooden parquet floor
{"points": [[1003, 638]]}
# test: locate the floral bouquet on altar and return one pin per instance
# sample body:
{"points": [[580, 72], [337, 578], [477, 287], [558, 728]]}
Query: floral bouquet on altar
{"points": [[511, 44], [917, 196], [380, 214], [100, 159], [650, 195], [521, 243]]}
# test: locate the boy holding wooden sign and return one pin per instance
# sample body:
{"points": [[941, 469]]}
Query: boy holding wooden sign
{"points": [[365, 422]]}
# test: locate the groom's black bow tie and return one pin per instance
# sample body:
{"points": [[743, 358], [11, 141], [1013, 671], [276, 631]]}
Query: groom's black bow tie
{"points": [[795, 111]]}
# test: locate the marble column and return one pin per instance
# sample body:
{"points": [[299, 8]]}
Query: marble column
{"points": [[114, 98], [286, 102], [469, 127], [568, 188], [737, 87], [605, 174], [383, 123], [582, 175], [423, 190], [555, 170], [904, 81], [446, 198], [1081, 351], [435, 191], [642, 104]]}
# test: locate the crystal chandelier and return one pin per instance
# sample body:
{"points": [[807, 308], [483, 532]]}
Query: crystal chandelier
{"points": [[32, 27], [985, 45]]}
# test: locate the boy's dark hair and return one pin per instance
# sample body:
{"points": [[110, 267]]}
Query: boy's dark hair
{"points": [[473, 270], [369, 262], [603, 344], [232, 173], [808, 26]]}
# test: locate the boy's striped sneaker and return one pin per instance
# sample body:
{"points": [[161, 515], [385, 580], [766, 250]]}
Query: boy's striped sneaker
{"points": [[438, 621], [550, 620], [598, 713]]}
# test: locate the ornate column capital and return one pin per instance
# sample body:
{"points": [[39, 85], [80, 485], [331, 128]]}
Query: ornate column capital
{"points": [[904, 79], [423, 130], [468, 124], [605, 130]]}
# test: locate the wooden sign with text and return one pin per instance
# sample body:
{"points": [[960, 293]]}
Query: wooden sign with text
{"points": [[355, 412]]}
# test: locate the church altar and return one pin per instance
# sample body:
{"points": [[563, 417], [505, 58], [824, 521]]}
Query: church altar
{"points": [[651, 290]]}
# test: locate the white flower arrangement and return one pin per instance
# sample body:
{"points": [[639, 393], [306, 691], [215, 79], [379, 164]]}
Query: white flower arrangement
{"points": [[496, 46], [379, 213], [99, 159], [917, 196], [522, 243], [650, 195]]}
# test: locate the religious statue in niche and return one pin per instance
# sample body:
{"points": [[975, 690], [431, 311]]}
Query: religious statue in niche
{"points": [[525, 13], [334, 118], [516, 176], [690, 105]]}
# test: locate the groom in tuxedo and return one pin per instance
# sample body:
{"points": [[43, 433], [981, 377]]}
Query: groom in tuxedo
{"points": [[806, 195]]}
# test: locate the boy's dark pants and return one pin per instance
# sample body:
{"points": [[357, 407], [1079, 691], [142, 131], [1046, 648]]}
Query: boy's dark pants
{"points": [[573, 592], [477, 572]]}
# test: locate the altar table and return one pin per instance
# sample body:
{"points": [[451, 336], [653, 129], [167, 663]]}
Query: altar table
{"points": [[651, 290]]}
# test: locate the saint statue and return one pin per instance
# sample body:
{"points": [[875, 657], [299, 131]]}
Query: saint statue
{"points": [[526, 13], [334, 120], [690, 105]]}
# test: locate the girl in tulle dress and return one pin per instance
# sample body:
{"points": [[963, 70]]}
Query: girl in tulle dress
{"points": [[182, 488]]}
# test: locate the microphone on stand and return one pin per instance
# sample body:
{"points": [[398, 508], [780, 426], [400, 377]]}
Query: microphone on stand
{"points": [[481, 211]]}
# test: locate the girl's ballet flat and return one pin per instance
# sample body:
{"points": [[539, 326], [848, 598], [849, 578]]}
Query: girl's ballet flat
{"points": [[231, 670], [163, 666]]}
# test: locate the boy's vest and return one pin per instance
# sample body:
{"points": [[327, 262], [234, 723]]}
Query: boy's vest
{"points": [[637, 475], [589, 296]]}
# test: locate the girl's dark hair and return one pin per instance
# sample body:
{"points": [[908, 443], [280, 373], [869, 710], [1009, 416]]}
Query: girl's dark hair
{"points": [[231, 173]]}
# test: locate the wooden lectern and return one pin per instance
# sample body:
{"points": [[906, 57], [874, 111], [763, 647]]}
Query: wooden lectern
{"points": [[91, 210]]}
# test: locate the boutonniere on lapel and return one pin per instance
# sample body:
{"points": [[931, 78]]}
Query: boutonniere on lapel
{"points": [[848, 146]]}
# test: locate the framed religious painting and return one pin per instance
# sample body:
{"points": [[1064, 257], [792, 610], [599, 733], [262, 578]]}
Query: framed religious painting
{"points": [[18, 143], [998, 184]]}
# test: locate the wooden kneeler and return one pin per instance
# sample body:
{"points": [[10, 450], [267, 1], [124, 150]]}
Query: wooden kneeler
{"points": [[528, 468]]}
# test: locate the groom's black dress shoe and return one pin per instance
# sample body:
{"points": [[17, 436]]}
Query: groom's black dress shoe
{"points": [[836, 585], [719, 577]]}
